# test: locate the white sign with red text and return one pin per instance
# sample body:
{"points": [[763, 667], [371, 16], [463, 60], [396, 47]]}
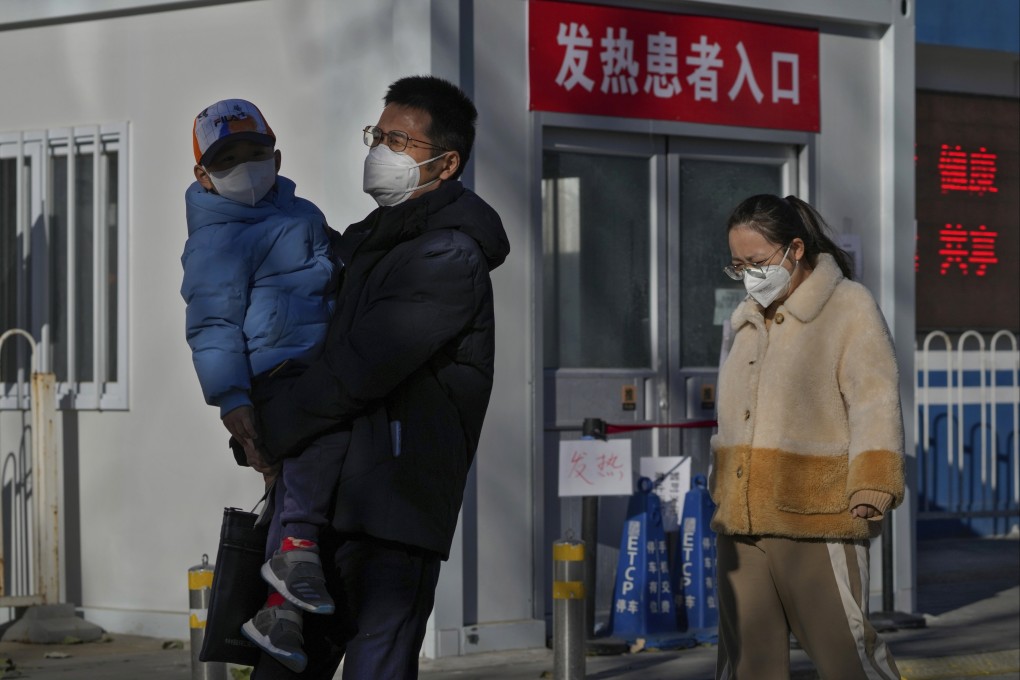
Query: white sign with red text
{"points": [[591, 467]]}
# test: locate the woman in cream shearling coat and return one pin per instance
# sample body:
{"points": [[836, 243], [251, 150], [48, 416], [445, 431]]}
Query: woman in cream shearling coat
{"points": [[809, 453]]}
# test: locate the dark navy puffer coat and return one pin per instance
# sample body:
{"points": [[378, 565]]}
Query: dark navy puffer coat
{"points": [[407, 366], [260, 285]]}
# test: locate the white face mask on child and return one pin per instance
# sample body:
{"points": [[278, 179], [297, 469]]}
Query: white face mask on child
{"points": [[245, 182]]}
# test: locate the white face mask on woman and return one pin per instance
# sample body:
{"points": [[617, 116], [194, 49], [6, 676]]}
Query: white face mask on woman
{"points": [[776, 282], [391, 177], [245, 182]]}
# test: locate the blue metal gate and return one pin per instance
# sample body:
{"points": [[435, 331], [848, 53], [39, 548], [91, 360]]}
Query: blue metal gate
{"points": [[968, 402]]}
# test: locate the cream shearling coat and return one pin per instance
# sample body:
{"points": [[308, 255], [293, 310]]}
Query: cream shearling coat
{"points": [[809, 415]]}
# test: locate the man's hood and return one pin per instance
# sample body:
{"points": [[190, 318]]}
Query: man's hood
{"points": [[456, 207]]}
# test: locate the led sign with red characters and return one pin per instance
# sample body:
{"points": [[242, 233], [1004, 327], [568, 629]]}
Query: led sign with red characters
{"points": [[982, 249], [968, 212], [968, 251], [972, 171]]}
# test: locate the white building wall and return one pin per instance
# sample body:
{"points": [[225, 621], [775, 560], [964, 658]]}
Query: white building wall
{"points": [[505, 460]]}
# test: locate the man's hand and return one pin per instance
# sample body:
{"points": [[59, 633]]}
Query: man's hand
{"points": [[240, 423], [258, 462]]}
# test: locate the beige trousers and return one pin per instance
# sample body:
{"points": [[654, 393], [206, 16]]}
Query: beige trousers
{"points": [[770, 587]]}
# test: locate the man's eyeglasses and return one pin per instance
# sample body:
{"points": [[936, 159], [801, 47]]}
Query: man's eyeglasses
{"points": [[395, 139], [737, 271]]}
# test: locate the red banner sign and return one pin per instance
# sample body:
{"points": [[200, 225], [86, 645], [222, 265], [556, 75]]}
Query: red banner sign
{"points": [[610, 61]]}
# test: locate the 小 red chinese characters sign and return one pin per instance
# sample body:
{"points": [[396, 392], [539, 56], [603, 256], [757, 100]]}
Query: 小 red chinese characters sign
{"points": [[611, 61]]}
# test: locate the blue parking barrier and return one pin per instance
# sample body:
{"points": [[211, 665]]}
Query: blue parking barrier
{"points": [[644, 607], [695, 585]]}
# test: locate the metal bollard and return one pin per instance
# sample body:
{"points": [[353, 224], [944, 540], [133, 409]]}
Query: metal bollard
{"points": [[200, 578], [568, 610]]}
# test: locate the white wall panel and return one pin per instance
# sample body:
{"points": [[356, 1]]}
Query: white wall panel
{"points": [[849, 195], [503, 177]]}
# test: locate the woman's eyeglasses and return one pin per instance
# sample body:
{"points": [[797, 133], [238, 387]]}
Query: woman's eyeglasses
{"points": [[755, 269]]}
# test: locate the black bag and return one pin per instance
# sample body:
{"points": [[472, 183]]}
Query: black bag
{"points": [[238, 590]]}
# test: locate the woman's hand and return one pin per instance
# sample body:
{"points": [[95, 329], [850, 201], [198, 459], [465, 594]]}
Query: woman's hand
{"points": [[864, 512]]}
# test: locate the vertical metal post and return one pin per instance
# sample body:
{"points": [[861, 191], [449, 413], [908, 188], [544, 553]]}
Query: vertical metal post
{"points": [[47, 489], [568, 610], [888, 596], [200, 578], [590, 537], [591, 428]]}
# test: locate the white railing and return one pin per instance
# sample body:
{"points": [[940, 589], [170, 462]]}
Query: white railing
{"points": [[43, 563], [968, 401]]}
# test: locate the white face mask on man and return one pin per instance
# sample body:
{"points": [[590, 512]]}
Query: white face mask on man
{"points": [[391, 177], [765, 290], [247, 182]]}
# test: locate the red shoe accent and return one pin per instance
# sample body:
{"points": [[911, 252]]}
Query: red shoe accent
{"points": [[274, 600], [291, 543]]}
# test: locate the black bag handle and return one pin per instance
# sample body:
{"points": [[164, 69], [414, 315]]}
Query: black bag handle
{"points": [[267, 505]]}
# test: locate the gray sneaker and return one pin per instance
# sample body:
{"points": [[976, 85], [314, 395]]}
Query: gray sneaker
{"points": [[277, 632], [297, 575]]}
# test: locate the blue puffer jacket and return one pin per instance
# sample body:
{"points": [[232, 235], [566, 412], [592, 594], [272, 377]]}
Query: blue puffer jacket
{"points": [[260, 285]]}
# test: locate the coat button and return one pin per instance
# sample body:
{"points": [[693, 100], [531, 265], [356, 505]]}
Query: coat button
{"points": [[747, 415], [740, 472], [779, 317]]}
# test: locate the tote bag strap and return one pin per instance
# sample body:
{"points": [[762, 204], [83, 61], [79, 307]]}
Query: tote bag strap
{"points": [[267, 505]]}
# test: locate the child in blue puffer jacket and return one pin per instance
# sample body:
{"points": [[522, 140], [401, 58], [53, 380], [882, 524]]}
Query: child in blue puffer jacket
{"points": [[260, 284]]}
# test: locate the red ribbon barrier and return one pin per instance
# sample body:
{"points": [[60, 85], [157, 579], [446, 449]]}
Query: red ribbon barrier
{"points": [[613, 429]]}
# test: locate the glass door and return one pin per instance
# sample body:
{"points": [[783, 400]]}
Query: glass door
{"points": [[708, 179], [603, 299], [634, 301]]}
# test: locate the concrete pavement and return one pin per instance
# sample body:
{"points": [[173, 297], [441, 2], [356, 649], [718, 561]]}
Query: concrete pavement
{"points": [[968, 590]]}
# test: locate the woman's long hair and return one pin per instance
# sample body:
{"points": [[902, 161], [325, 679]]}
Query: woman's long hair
{"points": [[780, 220]]}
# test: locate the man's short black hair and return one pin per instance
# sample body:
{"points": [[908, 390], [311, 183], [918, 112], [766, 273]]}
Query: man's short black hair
{"points": [[452, 114]]}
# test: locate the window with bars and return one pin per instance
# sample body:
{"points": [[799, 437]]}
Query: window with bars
{"points": [[63, 263]]}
